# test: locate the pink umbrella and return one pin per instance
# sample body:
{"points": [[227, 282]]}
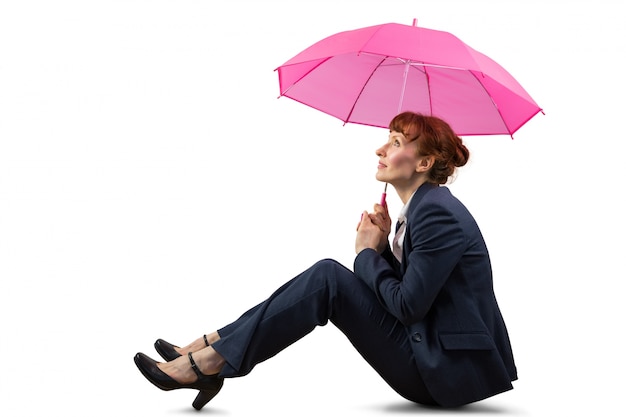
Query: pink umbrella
{"points": [[368, 75]]}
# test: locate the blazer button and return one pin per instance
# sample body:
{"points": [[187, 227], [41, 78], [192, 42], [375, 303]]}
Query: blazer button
{"points": [[417, 337]]}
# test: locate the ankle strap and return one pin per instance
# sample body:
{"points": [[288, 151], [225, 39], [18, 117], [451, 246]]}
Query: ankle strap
{"points": [[194, 366], [206, 342]]}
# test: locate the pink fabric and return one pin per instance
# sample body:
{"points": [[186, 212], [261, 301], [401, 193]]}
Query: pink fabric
{"points": [[359, 77]]}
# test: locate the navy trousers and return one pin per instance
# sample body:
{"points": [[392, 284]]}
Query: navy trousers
{"points": [[326, 291]]}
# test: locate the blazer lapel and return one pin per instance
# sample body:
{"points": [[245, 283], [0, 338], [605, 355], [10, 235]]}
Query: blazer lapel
{"points": [[406, 245]]}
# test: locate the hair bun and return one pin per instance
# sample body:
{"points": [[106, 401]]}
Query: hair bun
{"points": [[462, 154]]}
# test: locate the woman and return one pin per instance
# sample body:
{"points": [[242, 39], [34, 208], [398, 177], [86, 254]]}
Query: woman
{"points": [[421, 311]]}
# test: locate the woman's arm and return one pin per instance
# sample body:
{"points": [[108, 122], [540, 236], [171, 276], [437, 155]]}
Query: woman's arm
{"points": [[437, 242]]}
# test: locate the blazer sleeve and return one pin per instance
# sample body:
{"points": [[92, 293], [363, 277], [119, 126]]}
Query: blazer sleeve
{"points": [[436, 244]]}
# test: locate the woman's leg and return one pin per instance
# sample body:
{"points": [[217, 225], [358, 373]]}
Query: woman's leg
{"points": [[381, 339], [326, 291], [198, 344]]}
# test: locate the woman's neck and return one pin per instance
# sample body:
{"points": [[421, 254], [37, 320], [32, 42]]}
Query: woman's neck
{"points": [[405, 191]]}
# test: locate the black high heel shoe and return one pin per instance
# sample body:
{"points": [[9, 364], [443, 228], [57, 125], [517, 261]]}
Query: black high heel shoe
{"points": [[167, 351], [208, 385]]}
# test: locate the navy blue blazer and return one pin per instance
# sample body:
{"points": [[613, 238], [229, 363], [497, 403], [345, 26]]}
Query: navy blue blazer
{"points": [[442, 292]]}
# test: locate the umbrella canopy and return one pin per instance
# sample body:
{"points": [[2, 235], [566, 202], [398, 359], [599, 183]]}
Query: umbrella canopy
{"points": [[368, 75]]}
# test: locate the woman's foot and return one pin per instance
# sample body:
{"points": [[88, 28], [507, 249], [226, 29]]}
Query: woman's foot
{"points": [[207, 385], [170, 352], [207, 360]]}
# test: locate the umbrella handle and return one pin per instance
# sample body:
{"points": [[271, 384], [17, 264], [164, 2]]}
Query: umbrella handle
{"points": [[383, 198]]}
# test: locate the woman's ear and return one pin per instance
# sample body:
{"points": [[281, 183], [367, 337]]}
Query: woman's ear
{"points": [[425, 163]]}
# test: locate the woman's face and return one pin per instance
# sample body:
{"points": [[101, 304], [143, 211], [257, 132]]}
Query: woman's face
{"points": [[398, 160]]}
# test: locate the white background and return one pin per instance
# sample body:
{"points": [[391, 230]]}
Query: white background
{"points": [[152, 185]]}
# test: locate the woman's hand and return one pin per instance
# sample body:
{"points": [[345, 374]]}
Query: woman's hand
{"points": [[373, 230]]}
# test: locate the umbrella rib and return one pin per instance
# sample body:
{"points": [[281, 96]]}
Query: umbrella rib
{"points": [[363, 88], [430, 96], [495, 105], [303, 76]]}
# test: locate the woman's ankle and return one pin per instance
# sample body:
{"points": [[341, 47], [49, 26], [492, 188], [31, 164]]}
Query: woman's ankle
{"points": [[209, 361], [212, 337]]}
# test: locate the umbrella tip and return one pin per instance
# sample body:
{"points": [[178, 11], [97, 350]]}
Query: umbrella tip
{"points": [[414, 22]]}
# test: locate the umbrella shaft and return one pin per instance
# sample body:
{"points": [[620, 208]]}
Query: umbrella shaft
{"points": [[407, 64]]}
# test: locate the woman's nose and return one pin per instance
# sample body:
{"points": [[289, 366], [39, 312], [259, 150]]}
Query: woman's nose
{"points": [[381, 151]]}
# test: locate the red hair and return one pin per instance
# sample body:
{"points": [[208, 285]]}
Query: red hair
{"points": [[434, 138]]}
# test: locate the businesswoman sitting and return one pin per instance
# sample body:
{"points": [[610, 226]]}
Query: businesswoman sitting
{"points": [[420, 310]]}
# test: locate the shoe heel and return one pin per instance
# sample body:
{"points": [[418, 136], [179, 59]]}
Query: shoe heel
{"points": [[202, 399]]}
